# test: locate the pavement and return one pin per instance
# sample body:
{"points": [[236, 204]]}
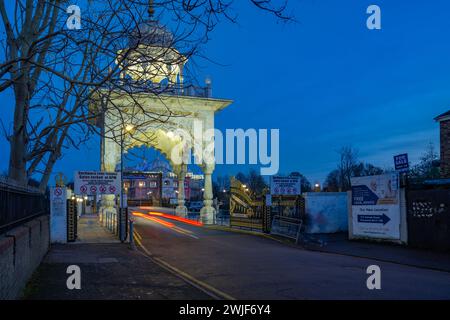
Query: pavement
{"points": [[108, 271], [90, 231]]}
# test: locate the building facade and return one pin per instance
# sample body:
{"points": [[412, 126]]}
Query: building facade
{"points": [[157, 184], [444, 123]]}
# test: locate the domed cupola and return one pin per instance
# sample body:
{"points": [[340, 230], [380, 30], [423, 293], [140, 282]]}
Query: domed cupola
{"points": [[151, 55]]}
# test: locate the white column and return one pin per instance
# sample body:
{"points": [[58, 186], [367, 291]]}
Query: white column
{"points": [[181, 209], [207, 213], [110, 158]]}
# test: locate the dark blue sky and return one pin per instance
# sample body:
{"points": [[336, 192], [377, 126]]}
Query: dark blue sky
{"points": [[325, 82]]}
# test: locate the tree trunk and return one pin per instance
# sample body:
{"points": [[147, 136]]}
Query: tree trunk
{"points": [[18, 143]]}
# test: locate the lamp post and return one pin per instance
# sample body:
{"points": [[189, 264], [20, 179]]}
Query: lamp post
{"points": [[128, 128]]}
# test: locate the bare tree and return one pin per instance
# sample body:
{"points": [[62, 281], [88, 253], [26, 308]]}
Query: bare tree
{"points": [[428, 167], [55, 73], [347, 164], [348, 167]]}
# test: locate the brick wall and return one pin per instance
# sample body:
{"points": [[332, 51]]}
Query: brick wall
{"points": [[445, 148], [21, 251]]}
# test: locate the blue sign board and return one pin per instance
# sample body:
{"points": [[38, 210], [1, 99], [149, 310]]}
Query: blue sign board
{"points": [[401, 162]]}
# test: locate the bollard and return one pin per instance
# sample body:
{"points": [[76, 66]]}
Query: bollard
{"points": [[131, 235]]}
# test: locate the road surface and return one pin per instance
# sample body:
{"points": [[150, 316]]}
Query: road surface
{"points": [[244, 266]]}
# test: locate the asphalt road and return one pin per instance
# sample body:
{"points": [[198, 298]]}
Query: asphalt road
{"points": [[253, 267]]}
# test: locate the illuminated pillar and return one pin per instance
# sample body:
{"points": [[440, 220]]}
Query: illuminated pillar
{"points": [[181, 209], [110, 158], [207, 213]]}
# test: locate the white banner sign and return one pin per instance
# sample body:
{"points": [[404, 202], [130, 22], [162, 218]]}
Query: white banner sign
{"points": [[58, 215], [285, 185], [376, 206], [96, 183]]}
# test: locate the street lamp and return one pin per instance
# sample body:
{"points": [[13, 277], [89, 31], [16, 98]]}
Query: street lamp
{"points": [[128, 128]]}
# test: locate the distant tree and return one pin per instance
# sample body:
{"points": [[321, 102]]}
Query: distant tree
{"points": [[304, 182], [241, 177], [254, 181], [223, 182], [427, 167], [366, 169], [332, 182], [348, 167]]}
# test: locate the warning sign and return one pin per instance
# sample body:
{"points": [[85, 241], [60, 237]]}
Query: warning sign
{"points": [[96, 182]]}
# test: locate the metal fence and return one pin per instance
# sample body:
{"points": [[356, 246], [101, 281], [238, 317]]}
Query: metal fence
{"points": [[19, 205]]}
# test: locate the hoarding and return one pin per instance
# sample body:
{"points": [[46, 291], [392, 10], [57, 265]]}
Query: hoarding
{"points": [[376, 206]]}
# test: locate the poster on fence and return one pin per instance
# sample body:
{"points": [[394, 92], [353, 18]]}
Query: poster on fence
{"points": [[376, 206]]}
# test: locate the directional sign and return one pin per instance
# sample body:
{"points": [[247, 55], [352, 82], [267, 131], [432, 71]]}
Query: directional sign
{"points": [[376, 207], [401, 162], [373, 218]]}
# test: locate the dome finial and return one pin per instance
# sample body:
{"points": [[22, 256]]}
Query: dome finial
{"points": [[151, 9]]}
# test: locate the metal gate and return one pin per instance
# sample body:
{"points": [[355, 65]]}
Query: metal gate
{"points": [[429, 218], [246, 209], [286, 215], [72, 220]]}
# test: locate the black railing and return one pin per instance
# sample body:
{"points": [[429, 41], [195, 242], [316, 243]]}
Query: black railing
{"points": [[186, 90], [19, 205]]}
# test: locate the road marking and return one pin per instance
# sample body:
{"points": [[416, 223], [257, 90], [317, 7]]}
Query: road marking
{"points": [[137, 235], [168, 225], [185, 232], [206, 288]]}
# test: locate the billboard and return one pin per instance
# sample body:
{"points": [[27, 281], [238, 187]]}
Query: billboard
{"points": [[376, 206], [284, 186], [93, 183]]}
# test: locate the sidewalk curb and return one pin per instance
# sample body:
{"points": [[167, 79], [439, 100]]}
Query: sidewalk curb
{"points": [[243, 231]]}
